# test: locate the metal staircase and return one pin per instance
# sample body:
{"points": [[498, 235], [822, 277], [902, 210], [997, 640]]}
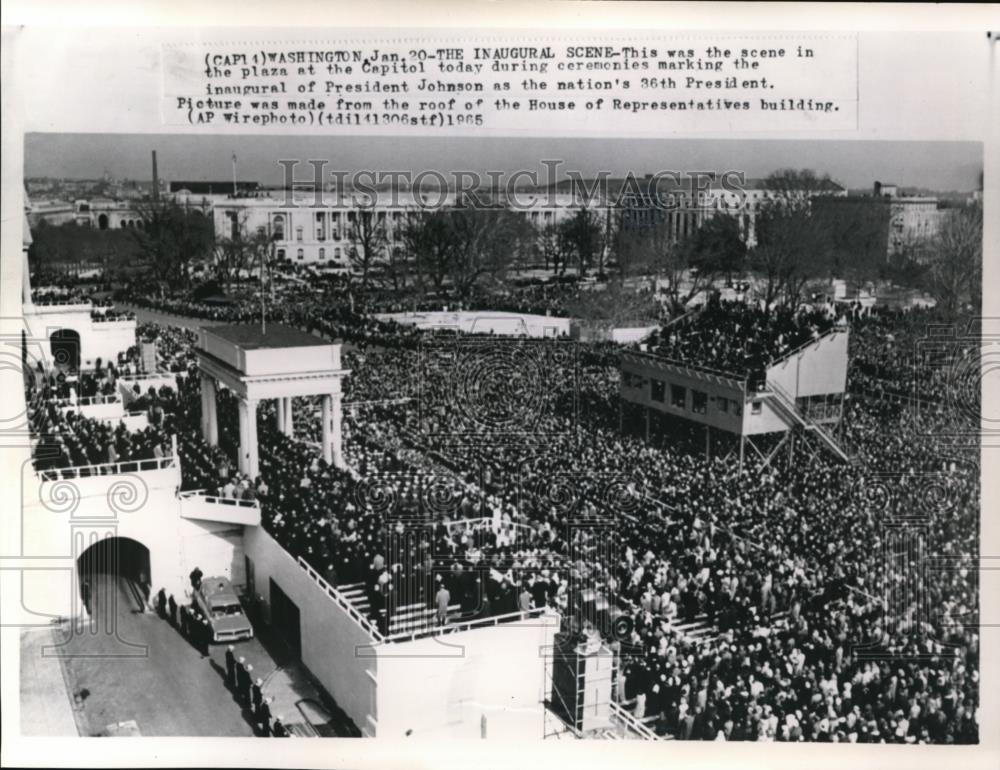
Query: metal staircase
{"points": [[787, 408]]}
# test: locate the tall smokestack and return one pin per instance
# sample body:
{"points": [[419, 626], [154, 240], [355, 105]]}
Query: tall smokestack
{"points": [[156, 180]]}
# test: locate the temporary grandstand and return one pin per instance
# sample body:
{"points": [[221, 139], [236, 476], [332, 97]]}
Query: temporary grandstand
{"points": [[776, 390]]}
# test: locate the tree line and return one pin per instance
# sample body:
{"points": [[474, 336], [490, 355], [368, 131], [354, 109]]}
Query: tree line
{"points": [[795, 236]]}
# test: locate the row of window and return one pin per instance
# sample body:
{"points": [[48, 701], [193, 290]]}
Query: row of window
{"points": [[338, 254], [699, 398], [335, 235], [279, 221]]}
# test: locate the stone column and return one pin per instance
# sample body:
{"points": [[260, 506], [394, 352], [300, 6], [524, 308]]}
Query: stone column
{"points": [[209, 418], [289, 418], [280, 413], [326, 439], [25, 275], [248, 437], [337, 430]]}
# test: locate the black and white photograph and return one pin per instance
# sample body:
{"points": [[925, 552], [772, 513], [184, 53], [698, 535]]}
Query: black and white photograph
{"points": [[495, 392]]}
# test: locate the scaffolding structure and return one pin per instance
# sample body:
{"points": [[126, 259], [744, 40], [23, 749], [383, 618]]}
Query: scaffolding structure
{"points": [[583, 674]]}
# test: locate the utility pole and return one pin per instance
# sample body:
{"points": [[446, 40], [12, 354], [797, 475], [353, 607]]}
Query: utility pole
{"points": [[234, 174]]}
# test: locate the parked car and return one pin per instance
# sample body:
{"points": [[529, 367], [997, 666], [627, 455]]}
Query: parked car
{"points": [[216, 601]]}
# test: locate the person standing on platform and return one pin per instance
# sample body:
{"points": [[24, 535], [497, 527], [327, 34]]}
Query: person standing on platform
{"points": [[230, 668], [161, 603], [256, 695], [524, 599], [172, 606], [279, 731], [196, 575], [443, 599]]}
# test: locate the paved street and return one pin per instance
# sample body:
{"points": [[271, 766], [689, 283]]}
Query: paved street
{"points": [[45, 705], [172, 689], [149, 672]]}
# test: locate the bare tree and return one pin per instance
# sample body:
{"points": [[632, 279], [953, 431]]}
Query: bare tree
{"points": [[368, 241], [231, 252], [462, 245], [647, 247], [795, 188], [585, 236], [427, 239], [713, 250], [956, 259], [171, 237], [487, 241], [396, 267], [551, 247], [791, 250], [858, 233], [793, 246]]}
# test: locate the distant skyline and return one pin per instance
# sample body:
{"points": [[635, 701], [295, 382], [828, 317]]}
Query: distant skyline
{"points": [[939, 166]]}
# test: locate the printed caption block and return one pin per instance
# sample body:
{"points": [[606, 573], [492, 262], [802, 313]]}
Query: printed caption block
{"points": [[641, 84]]}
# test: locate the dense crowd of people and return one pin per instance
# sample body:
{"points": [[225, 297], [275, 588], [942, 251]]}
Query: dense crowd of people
{"points": [[61, 295], [790, 565], [920, 356], [101, 314], [90, 446], [736, 338]]}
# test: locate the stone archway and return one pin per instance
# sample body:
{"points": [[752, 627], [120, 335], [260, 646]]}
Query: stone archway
{"points": [[64, 347], [114, 564], [102, 222]]}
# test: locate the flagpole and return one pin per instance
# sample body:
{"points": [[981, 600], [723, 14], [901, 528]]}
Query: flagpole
{"points": [[263, 314], [234, 174]]}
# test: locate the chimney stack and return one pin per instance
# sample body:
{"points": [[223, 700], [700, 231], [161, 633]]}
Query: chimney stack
{"points": [[156, 180]]}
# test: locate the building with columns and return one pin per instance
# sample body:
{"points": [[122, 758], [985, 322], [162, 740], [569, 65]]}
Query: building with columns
{"points": [[277, 362], [311, 229]]}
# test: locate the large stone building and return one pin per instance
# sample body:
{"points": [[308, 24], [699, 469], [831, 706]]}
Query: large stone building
{"points": [[913, 219], [318, 232], [684, 206]]}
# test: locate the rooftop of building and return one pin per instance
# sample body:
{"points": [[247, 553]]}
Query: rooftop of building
{"points": [[686, 183], [250, 336]]}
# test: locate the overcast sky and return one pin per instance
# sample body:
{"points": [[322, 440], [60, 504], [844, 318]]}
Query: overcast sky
{"points": [[856, 164]]}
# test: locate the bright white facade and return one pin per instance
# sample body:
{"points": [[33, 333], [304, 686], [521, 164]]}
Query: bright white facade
{"points": [[316, 230], [281, 363]]}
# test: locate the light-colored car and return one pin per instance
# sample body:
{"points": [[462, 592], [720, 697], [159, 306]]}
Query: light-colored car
{"points": [[216, 600]]}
